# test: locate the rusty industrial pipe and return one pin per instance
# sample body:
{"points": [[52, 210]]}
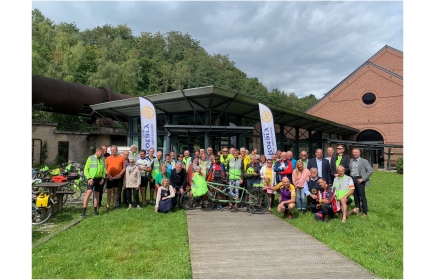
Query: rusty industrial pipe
{"points": [[69, 98]]}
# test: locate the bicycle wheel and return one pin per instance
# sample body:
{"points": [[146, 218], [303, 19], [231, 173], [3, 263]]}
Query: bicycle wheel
{"points": [[77, 191], [37, 213], [261, 201], [185, 200]]}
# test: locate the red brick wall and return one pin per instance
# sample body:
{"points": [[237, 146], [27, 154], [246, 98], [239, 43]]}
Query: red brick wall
{"points": [[344, 105], [389, 59]]}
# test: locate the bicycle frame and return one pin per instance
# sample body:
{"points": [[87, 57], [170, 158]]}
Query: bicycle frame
{"points": [[256, 199]]}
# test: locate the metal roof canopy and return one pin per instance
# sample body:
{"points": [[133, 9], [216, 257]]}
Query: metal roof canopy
{"points": [[220, 100]]}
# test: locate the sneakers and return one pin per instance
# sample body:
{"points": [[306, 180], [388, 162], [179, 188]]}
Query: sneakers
{"points": [[83, 214], [96, 213], [138, 207], [304, 211], [152, 202], [202, 206], [213, 207], [220, 207], [129, 207]]}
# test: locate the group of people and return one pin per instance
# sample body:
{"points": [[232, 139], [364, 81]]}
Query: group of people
{"points": [[324, 186]]}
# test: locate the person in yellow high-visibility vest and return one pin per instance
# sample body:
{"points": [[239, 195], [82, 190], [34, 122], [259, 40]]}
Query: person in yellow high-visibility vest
{"points": [[95, 172]]}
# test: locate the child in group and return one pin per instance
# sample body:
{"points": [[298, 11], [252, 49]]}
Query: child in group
{"points": [[270, 189]]}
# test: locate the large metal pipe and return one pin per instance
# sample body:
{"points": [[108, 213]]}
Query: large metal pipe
{"points": [[69, 98]]}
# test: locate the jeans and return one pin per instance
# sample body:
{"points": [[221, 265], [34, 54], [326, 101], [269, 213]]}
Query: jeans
{"points": [[301, 199], [128, 192]]}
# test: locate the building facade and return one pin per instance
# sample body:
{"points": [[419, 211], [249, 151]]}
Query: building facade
{"points": [[371, 100]]}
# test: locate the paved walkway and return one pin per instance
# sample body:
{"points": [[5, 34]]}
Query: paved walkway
{"points": [[237, 245]]}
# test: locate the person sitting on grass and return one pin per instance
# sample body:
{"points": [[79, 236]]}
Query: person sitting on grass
{"points": [[165, 195], [287, 197], [344, 189], [326, 202], [164, 173]]}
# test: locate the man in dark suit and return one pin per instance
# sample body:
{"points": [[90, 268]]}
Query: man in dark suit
{"points": [[360, 171], [340, 159], [322, 165]]}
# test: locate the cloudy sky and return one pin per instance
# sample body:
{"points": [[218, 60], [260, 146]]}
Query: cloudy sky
{"points": [[301, 47]]}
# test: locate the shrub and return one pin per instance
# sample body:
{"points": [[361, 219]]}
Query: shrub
{"points": [[399, 165]]}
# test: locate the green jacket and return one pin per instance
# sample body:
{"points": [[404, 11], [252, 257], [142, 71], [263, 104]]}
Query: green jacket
{"points": [[95, 168]]}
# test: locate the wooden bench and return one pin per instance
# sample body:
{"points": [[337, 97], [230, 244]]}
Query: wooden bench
{"points": [[59, 197]]}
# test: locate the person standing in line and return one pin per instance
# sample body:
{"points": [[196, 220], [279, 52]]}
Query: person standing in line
{"points": [[100, 198], [115, 168], [283, 168], [304, 158], [187, 160], [126, 155], [95, 172], [133, 152], [360, 171], [225, 157], [340, 159], [145, 167], [178, 181], [132, 181], [322, 165], [268, 177], [173, 157], [290, 158], [252, 173], [234, 175], [300, 176], [156, 163], [330, 153]]}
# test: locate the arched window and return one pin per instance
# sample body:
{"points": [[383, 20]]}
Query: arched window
{"points": [[370, 136], [369, 98]]}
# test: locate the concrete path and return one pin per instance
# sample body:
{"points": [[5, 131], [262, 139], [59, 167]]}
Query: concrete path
{"points": [[237, 245]]}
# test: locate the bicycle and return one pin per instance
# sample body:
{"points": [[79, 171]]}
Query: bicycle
{"points": [[44, 174], [40, 214], [255, 200]]}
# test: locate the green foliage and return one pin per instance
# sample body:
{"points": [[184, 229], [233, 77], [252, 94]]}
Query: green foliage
{"points": [[112, 57], [44, 153], [399, 165]]}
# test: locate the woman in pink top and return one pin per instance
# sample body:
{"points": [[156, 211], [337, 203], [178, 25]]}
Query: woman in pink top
{"points": [[300, 176]]}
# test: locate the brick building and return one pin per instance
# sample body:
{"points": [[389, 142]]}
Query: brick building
{"points": [[370, 99]]}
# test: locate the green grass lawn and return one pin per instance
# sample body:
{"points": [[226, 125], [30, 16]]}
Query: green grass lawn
{"points": [[142, 244]]}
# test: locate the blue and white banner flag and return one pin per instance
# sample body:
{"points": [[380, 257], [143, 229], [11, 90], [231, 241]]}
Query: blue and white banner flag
{"points": [[148, 125], [268, 131]]}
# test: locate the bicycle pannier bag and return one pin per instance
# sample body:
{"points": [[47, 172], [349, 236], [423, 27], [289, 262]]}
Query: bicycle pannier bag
{"points": [[42, 200]]}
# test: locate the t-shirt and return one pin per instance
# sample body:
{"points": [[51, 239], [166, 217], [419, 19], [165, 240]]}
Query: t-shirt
{"points": [[114, 165], [286, 194], [144, 163]]}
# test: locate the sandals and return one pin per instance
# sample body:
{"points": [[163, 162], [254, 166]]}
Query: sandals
{"points": [[230, 207], [236, 208], [107, 209]]}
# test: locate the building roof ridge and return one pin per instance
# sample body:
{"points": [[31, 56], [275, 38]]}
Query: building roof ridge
{"points": [[368, 61]]}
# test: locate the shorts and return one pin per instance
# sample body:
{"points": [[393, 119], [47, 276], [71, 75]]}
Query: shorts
{"points": [[96, 187], [144, 181], [117, 183]]}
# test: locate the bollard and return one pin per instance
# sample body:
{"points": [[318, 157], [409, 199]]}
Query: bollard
{"points": [[375, 167]]}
